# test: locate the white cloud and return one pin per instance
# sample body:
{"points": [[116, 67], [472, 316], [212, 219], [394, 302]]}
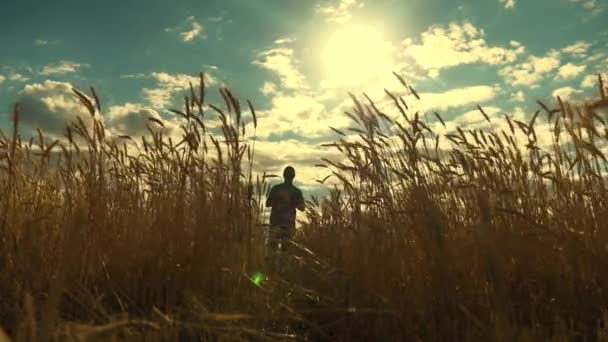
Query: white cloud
{"points": [[458, 97], [63, 67], [215, 19], [297, 114], [268, 88], [190, 30], [533, 70], [43, 42], [272, 157], [338, 11], [282, 62], [195, 31], [443, 47], [519, 96], [178, 81], [132, 119], [508, 3], [300, 114], [595, 58], [474, 120], [475, 116], [17, 77], [285, 40], [542, 129], [591, 5], [592, 81], [158, 98], [578, 49], [433, 73], [565, 92], [429, 101], [168, 85], [8, 73], [51, 106], [570, 70], [136, 76]]}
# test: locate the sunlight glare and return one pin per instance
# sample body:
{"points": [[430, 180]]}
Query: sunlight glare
{"points": [[355, 55]]}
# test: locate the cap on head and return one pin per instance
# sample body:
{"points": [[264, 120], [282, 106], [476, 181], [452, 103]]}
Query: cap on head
{"points": [[289, 173]]}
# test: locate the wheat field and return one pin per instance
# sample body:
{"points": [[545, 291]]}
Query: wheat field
{"points": [[495, 232]]}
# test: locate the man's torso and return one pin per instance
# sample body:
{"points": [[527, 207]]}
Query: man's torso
{"points": [[285, 199]]}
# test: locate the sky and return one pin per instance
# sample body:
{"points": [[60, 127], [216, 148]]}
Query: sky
{"points": [[295, 60]]}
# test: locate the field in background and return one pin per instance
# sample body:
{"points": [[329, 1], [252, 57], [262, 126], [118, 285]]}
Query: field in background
{"points": [[482, 233]]}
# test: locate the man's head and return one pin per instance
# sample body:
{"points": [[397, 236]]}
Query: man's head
{"points": [[289, 174]]}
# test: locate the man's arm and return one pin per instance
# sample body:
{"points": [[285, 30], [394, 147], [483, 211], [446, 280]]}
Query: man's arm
{"points": [[270, 198], [300, 203]]}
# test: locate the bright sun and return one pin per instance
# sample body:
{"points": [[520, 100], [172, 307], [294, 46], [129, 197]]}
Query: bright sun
{"points": [[355, 55]]}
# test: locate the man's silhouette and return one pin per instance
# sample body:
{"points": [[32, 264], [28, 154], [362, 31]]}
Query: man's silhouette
{"points": [[284, 199]]}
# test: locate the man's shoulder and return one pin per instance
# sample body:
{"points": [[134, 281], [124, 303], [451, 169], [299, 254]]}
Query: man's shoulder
{"points": [[286, 186], [277, 186], [292, 187]]}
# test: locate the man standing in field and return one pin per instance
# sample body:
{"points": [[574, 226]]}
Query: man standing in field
{"points": [[284, 199]]}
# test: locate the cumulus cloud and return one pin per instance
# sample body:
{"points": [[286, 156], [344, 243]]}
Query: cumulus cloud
{"points": [[338, 11], [533, 70], [272, 157], [305, 115], [190, 30], [167, 85], [542, 129], [298, 114], [63, 67], [285, 40], [429, 101], [10, 74], [458, 97], [282, 62], [157, 97], [474, 120], [17, 77], [474, 116], [588, 4], [578, 49], [215, 19], [565, 92], [133, 119], [268, 88], [43, 42], [135, 76], [596, 58], [178, 81], [508, 3], [456, 44], [570, 70], [190, 35], [591, 5], [592, 81], [51, 106]]}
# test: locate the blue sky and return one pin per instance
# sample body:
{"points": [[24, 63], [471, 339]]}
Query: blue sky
{"points": [[292, 59]]}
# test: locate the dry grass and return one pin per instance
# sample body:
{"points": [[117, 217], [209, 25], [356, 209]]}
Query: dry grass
{"points": [[495, 238]]}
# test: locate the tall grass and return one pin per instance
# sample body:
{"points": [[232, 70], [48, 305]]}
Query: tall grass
{"points": [[478, 234]]}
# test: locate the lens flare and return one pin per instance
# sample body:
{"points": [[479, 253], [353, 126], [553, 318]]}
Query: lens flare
{"points": [[257, 278]]}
